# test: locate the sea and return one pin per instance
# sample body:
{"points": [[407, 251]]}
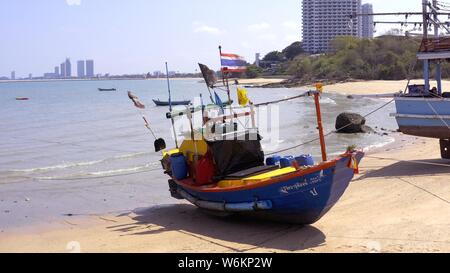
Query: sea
{"points": [[72, 150]]}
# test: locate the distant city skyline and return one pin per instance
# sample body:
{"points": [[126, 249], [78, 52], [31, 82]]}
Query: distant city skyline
{"points": [[143, 35], [81, 73], [90, 68]]}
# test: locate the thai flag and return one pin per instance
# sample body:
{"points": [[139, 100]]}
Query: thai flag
{"points": [[233, 63]]}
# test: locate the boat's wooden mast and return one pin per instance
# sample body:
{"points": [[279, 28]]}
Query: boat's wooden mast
{"points": [[320, 126]]}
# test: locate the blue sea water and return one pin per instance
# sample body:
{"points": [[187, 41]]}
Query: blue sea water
{"points": [[77, 145]]}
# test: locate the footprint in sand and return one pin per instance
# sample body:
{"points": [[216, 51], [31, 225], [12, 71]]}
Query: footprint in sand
{"points": [[374, 247]]}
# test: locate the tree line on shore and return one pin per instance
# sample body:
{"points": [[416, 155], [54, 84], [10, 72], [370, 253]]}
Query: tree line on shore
{"points": [[381, 58]]}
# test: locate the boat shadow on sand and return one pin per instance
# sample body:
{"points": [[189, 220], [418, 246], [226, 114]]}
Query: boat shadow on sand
{"points": [[235, 234], [425, 167]]}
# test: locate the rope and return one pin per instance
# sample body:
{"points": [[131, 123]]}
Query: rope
{"points": [[411, 68], [424, 190], [437, 114], [282, 100], [330, 133], [406, 161]]}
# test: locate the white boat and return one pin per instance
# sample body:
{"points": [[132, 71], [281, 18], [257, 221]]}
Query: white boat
{"points": [[424, 111]]}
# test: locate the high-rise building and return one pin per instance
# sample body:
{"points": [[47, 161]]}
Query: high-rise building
{"points": [[80, 69], [13, 75], [324, 20], [257, 59], [68, 68], [57, 71], [63, 70], [367, 21], [90, 68]]}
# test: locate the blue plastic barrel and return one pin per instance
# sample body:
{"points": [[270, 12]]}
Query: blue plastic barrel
{"points": [[305, 160], [179, 166], [286, 161], [273, 160]]}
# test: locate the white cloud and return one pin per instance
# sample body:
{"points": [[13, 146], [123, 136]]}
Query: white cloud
{"points": [[268, 37], [292, 38], [258, 27], [246, 45], [291, 25], [73, 2], [207, 29]]}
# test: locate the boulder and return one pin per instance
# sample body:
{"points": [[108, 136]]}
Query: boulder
{"points": [[351, 123]]}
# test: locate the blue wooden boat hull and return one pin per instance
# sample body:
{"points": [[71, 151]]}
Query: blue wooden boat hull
{"points": [[424, 117], [302, 200]]}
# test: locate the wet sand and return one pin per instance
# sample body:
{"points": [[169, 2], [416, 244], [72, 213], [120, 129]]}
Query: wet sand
{"points": [[399, 203]]}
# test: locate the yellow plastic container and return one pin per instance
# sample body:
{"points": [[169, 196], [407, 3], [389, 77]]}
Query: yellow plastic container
{"points": [[170, 152], [255, 179], [197, 147]]}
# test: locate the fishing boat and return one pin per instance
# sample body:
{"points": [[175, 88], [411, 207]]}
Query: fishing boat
{"points": [[423, 110], [107, 89], [22, 98], [187, 102], [227, 173], [174, 103]]}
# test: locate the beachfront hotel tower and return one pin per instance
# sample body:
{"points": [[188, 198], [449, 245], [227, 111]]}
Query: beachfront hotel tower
{"points": [[89, 68], [367, 21], [80, 69], [324, 20], [63, 70], [68, 67]]}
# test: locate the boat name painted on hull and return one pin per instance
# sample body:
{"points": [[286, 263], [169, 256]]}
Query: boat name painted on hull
{"points": [[299, 186]]}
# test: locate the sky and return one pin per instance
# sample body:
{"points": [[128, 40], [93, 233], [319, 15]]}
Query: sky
{"points": [[138, 36]]}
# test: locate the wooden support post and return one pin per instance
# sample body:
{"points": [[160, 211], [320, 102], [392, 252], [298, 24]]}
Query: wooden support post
{"points": [[320, 126]]}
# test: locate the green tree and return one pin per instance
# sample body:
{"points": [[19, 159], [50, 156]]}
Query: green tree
{"points": [[274, 56], [253, 72], [382, 58], [293, 50]]}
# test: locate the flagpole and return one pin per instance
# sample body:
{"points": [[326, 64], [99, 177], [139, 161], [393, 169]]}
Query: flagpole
{"points": [[225, 83], [221, 67], [170, 106]]}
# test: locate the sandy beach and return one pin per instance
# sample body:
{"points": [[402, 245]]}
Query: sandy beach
{"points": [[260, 81], [400, 202], [376, 87]]}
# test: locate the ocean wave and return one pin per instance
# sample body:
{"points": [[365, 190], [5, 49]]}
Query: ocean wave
{"points": [[328, 101], [104, 174], [58, 167], [378, 145], [123, 171], [80, 164], [131, 155]]}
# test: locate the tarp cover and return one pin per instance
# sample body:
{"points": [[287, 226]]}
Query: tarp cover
{"points": [[231, 156]]}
